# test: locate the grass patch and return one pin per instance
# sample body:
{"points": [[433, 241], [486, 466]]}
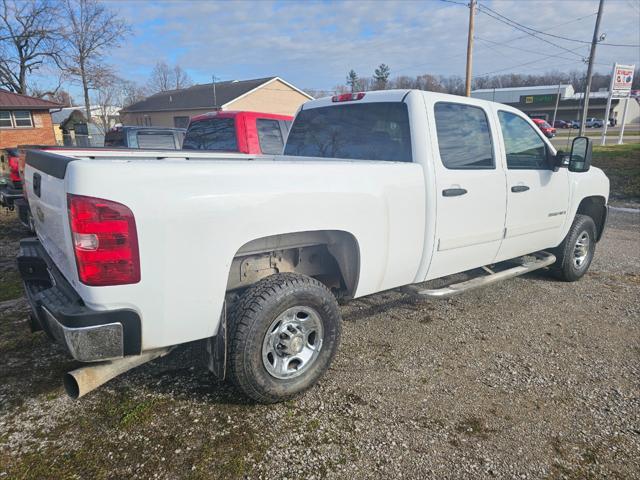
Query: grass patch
{"points": [[10, 285], [621, 163]]}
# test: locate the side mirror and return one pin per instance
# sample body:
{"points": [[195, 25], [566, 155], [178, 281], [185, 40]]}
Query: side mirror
{"points": [[581, 151]]}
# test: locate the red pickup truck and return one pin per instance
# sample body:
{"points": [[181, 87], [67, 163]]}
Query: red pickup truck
{"points": [[243, 132]]}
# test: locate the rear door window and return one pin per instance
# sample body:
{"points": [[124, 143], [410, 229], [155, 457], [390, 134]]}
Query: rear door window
{"points": [[270, 136], [114, 138], [524, 148], [464, 137], [366, 131], [218, 134]]}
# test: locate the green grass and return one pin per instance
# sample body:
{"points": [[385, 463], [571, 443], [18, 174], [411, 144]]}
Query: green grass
{"points": [[621, 163], [10, 285]]}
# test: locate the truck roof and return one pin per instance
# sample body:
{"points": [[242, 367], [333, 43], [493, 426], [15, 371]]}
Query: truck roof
{"points": [[240, 113], [397, 96]]}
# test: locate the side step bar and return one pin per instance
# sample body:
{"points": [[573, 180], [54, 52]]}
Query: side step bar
{"points": [[542, 259]]}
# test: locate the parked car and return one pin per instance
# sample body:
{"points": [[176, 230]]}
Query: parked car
{"points": [[243, 132], [561, 124], [593, 123], [10, 182], [575, 124], [145, 137], [248, 254], [544, 127]]}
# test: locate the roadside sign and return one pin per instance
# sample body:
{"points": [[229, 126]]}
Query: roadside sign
{"points": [[622, 80]]}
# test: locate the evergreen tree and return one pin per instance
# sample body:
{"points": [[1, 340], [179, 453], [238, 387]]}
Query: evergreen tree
{"points": [[352, 80], [381, 76]]}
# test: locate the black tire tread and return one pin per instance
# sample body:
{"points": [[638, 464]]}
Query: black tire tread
{"points": [[562, 269], [242, 316]]}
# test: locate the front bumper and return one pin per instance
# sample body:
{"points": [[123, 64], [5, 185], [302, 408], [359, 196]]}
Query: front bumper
{"points": [[89, 335]]}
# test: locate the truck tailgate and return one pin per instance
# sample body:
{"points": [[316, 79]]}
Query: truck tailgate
{"points": [[46, 192]]}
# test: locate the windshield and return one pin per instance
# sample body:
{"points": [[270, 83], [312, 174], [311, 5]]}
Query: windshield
{"points": [[367, 131], [217, 134]]}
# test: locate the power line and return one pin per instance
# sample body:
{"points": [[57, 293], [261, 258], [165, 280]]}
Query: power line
{"points": [[557, 36], [481, 8]]}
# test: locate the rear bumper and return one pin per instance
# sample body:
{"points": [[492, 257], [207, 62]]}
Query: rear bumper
{"points": [[89, 335], [24, 213]]}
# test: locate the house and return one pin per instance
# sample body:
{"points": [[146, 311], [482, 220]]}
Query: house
{"points": [[174, 108], [25, 120]]}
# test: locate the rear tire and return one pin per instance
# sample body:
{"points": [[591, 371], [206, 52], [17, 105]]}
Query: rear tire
{"points": [[575, 253], [285, 331]]}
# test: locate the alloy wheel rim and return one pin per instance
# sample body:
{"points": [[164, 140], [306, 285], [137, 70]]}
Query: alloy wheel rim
{"points": [[581, 250], [292, 342]]}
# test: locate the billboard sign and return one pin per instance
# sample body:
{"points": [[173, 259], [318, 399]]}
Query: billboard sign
{"points": [[622, 80], [538, 99]]}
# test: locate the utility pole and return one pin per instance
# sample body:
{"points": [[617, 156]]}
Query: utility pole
{"points": [[215, 100], [472, 12], [592, 58], [555, 110]]}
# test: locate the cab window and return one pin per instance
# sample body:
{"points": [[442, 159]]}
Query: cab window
{"points": [[464, 137], [524, 148]]}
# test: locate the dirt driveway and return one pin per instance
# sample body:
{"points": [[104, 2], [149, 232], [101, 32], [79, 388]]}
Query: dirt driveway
{"points": [[532, 378]]}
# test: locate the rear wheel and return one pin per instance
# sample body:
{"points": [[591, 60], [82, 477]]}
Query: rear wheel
{"points": [[575, 253], [285, 331]]}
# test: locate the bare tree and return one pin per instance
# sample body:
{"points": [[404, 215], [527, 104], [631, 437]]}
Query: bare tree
{"points": [[164, 78], [181, 78], [30, 38], [92, 29]]}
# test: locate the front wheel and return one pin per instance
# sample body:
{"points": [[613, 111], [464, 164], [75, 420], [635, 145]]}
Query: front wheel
{"points": [[575, 253], [285, 331]]}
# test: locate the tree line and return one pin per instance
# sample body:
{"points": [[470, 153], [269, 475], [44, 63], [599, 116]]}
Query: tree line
{"points": [[454, 84]]}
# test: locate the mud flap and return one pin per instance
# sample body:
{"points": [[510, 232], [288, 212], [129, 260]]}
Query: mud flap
{"points": [[217, 348]]}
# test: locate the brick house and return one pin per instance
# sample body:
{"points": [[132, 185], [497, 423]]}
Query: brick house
{"points": [[25, 120], [175, 107]]}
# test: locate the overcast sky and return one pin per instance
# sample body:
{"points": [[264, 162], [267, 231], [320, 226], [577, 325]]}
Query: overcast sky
{"points": [[313, 44]]}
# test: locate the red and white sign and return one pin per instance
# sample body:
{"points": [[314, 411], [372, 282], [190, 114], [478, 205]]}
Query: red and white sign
{"points": [[622, 80]]}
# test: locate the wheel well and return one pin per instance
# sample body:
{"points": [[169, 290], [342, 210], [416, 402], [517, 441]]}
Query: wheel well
{"points": [[594, 207], [331, 256]]}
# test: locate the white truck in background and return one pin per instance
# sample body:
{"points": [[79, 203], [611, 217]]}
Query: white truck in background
{"points": [[137, 252]]}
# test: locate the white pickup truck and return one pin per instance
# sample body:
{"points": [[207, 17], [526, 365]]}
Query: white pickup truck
{"points": [[140, 251]]}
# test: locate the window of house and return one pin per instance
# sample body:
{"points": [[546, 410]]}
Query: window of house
{"points": [[464, 137], [181, 122], [524, 148], [5, 119], [22, 118], [269, 136]]}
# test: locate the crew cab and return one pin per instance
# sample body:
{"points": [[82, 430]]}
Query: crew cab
{"points": [[235, 131], [246, 255]]}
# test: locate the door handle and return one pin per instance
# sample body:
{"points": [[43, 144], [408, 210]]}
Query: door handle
{"points": [[519, 188], [453, 192]]}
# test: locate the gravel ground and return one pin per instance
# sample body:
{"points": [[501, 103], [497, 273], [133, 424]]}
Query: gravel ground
{"points": [[531, 378]]}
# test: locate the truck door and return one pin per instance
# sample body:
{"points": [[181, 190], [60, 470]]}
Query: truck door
{"points": [[537, 197], [470, 189]]}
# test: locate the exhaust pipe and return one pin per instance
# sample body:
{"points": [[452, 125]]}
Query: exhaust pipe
{"points": [[81, 381]]}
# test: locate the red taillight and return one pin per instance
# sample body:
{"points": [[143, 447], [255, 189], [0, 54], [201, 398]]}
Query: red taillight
{"points": [[347, 97], [105, 241], [14, 169]]}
